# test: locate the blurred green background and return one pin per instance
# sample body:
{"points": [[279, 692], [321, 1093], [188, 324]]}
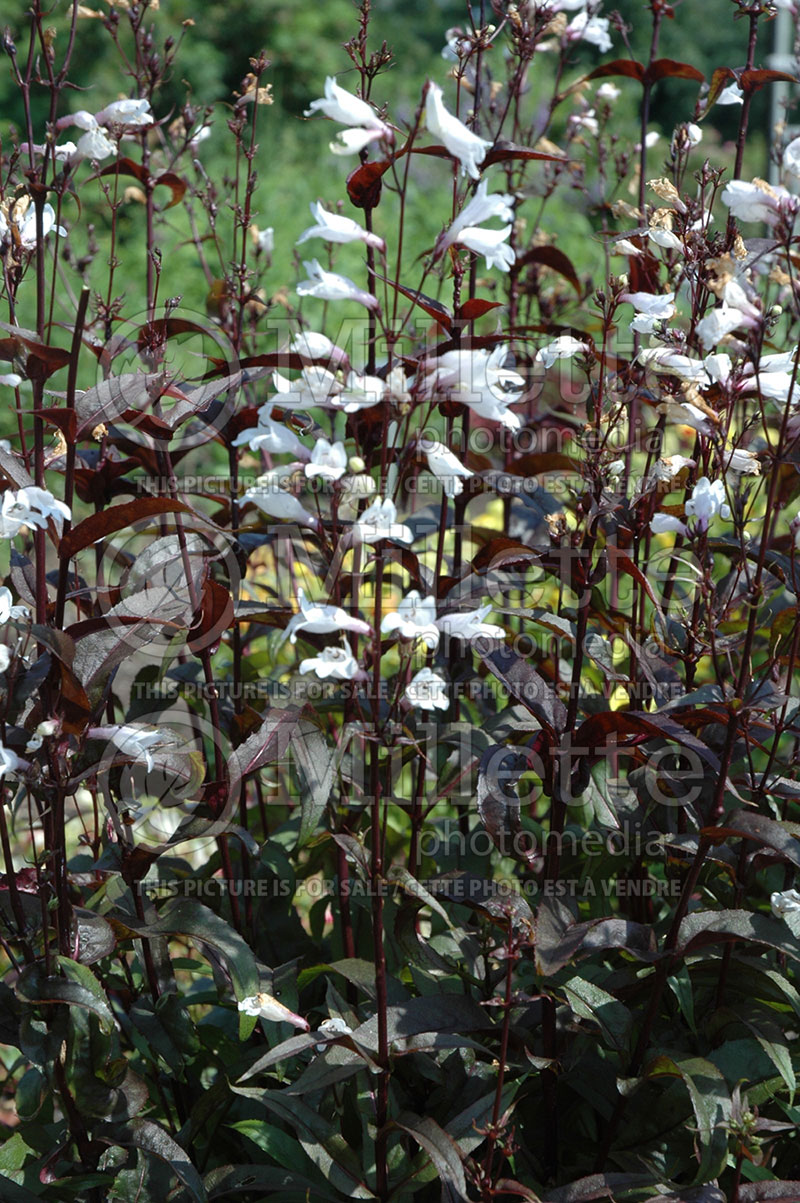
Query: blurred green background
{"points": [[304, 43]]}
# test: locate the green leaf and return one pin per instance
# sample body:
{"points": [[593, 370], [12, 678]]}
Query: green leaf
{"points": [[588, 1001], [151, 1138], [711, 1104], [79, 989], [441, 1148]]}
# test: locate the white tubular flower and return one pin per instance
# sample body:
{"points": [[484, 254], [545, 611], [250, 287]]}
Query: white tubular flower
{"points": [[414, 618], [672, 363], [664, 238], [133, 742], [662, 524], [96, 145], [274, 500], [694, 133], [351, 141], [264, 1006], [584, 28], [314, 386], [427, 691], [480, 380], [10, 762], [334, 227], [22, 218], [272, 437], [329, 286], [8, 609], [335, 1027], [759, 201], [125, 115], [460, 142], [563, 347], [784, 902], [265, 241], [360, 392], [469, 625], [723, 320], [336, 663], [130, 114], [379, 521], [791, 158], [310, 345], [741, 463], [651, 310], [481, 208], [446, 467], [342, 106], [30, 507], [5, 660], [608, 93], [490, 243], [733, 94], [706, 502], [319, 619], [328, 460]]}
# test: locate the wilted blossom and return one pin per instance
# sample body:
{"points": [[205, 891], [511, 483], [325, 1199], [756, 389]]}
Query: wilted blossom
{"points": [[31, 506], [328, 460], [469, 625], [330, 286], [414, 618], [379, 521], [491, 243], [264, 1006], [462, 143], [335, 227], [319, 619], [427, 690], [784, 902], [20, 217], [337, 663], [340, 105]]}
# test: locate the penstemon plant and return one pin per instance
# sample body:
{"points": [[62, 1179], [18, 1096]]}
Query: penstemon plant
{"points": [[398, 724]]}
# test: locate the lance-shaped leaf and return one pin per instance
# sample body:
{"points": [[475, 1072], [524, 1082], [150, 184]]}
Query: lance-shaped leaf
{"points": [[526, 686], [151, 1138], [711, 1104], [441, 1148], [499, 771]]}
